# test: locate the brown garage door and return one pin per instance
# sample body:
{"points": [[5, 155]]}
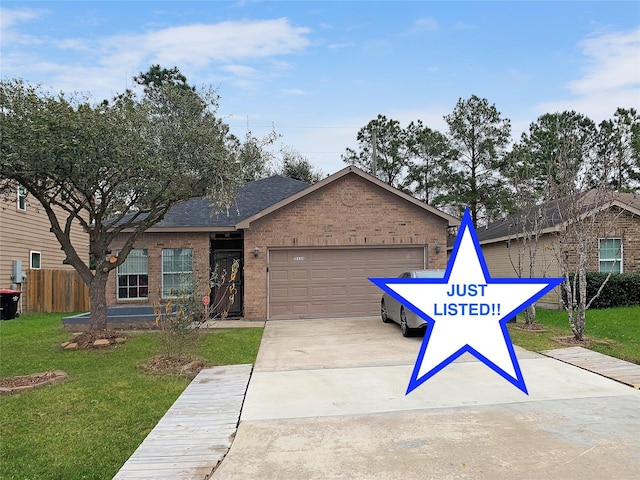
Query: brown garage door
{"points": [[319, 283]]}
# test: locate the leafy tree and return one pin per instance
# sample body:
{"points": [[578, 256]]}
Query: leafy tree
{"points": [[383, 150], [558, 153], [430, 157], [114, 168], [254, 156], [561, 151], [298, 167], [479, 136], [618, 151], [157, 76]]}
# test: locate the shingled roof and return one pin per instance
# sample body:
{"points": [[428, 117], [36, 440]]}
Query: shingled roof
{"points": [[262, 197], [547, 214], [252, 198]]}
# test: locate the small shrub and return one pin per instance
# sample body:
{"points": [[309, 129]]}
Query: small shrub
{"points": [[179, 322], [622, 289]]}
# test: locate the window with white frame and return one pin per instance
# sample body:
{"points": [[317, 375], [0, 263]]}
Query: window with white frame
{"points": [[610, 255], [21, 203], [177, 272], [35, 260], [133, 275]]}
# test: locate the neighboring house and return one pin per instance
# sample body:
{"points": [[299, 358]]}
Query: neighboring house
{"points": [[305, 251], [25, 237], [616, 247]]}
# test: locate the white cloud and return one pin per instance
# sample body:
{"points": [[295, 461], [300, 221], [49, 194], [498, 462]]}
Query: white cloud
{"points": [[336, 46], [610, 77], [226, 41], [423, 25], [105, 65], [613, 63], [201, 44], [294, 91], [240, 70], [12, 17]]}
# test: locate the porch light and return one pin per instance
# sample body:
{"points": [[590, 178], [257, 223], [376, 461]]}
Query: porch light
{"points": [[256, 251]]}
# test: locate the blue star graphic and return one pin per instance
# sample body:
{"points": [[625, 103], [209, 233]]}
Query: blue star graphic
{"points": [[466, 310]]}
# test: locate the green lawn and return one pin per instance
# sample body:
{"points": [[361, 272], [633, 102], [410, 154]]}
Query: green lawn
{"points": [[87, 426], [612, 331]]}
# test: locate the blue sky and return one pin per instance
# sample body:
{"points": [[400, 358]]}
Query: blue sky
{"points": [[319, 71]]}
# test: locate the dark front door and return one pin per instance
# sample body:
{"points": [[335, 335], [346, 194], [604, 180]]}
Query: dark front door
{"points": [[226, 279]]}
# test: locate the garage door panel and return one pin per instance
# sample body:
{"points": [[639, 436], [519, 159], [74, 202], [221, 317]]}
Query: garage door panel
{"points": [[296, 275], [319, 291], [360, 290], [279, 275], [338, 274], [300, 292], [280, 293], [333, 282], [319, 274], [300, 310]]}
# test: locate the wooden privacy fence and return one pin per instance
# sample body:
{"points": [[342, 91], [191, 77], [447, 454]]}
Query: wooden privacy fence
{"points": [[55, 291]]}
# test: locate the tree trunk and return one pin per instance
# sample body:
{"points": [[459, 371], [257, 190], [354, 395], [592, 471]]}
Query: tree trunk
{"points": [[581, 309], [530, 314], [98, 299]]}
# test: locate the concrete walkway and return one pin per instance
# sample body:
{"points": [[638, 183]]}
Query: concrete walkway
{"points": [[327, 400]]}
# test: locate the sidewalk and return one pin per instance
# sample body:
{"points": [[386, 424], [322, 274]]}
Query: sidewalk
{"points": [[610, 367]]}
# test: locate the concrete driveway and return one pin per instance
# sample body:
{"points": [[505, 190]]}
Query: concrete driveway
{"points": [[327, 400]]}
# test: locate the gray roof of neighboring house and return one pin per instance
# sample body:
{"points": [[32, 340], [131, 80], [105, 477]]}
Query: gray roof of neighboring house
{"points": [[252, 198], [547, 214]]}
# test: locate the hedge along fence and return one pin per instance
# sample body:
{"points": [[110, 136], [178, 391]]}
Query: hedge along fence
{"points": [[622, 289]]}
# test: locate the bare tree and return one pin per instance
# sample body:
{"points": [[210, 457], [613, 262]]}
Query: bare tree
{"points": [[527, 225], [582, 217]]}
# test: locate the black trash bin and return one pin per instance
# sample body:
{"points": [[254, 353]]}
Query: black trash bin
{"points": [[9, 303]]}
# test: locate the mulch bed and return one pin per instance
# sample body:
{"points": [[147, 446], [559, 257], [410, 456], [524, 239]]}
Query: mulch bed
{"points": [[531, 327], [572, 342], [27, 382], [86, 339], [186, 366], [586, 342]]}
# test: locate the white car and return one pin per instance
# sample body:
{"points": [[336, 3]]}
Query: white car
{"points": [[393, 311]]}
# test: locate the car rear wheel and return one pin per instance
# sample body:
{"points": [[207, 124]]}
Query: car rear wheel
{"points": [[404, 328], [383, 313]]}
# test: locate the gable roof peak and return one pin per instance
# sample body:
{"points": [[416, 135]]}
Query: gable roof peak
{"points": [[348, 170]]}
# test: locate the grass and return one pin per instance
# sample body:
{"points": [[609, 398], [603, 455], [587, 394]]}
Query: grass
{"points": [[612, 331], [89, 425]]}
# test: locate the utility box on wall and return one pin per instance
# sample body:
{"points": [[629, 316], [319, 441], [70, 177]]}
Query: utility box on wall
{"points": [[17, 275]]}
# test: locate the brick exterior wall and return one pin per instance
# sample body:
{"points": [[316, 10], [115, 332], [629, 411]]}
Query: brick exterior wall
{"points": [[622, 224], [154, 243], [350, 211], [614, 223]]}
